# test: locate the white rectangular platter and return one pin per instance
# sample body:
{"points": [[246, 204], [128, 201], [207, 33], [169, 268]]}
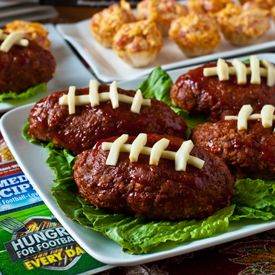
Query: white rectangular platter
{"points": [[108, 66], [31, 159], [69, 71]]}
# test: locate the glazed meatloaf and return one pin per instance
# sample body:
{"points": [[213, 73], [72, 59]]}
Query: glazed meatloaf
{"points": [[150, 191], [248, 153], [50, 121], [214, 99], [25, 67]]}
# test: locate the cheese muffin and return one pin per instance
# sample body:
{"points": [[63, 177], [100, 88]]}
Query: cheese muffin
{"points": [[31, 30], [264, 4], [166, 10], [105, 24], [195, 34], [243, 25], [272, 12], [206, 6], [138, 43]]}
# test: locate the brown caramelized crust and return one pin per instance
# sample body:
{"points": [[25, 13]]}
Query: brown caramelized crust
{"points": [[154, 192], [248, 153], [50, 121], [25, 67], [212, 98]]}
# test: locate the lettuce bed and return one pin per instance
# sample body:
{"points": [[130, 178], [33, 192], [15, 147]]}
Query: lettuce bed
{"points": [[26, 94], [253, 199]]}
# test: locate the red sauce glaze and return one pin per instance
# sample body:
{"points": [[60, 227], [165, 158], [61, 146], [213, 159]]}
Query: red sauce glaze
{"points": [[154, 192], [50, 121], [248, 152], [210, 97]]}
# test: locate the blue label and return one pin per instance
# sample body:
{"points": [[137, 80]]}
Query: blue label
{"points": [[16, 192]]}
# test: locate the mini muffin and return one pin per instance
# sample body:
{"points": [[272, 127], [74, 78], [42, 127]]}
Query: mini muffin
{"points": [[105, 24], [272, 12], [167, 10], [139, 43], [243, 25], [263, 4], [206, 6], [195, 34], [31, 30]]}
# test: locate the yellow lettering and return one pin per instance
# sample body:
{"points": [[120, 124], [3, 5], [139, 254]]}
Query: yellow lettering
{"points": [[36, 262], [28, 265], [70, 252], [58, 256], [51, 258], [44, 260], [79, 250]]}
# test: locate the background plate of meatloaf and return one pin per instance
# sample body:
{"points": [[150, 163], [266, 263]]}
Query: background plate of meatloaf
{"points": [[105, 63], [69, 71], [31, 159]]}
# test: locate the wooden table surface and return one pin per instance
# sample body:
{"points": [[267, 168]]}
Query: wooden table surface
{"points": [[75, 14]]}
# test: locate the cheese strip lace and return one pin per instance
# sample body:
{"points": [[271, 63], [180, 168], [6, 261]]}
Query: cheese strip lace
{"points": [[245, 114], [10, 39], [94, 98], [241, 71], [181, 157]]}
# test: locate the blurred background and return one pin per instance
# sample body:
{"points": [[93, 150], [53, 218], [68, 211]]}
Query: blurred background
{"points": [[52, 11]]}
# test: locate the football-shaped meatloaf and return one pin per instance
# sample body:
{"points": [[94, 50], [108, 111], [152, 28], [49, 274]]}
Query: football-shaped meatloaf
{"points": [[248, 153], [50, 121], [210, 97], [154, 191], [25, 67]]}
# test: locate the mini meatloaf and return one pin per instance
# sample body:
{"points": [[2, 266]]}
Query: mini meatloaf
{"points": [[150, 191], [50, 121], [25, 67], [248, 153], [212, 98]]}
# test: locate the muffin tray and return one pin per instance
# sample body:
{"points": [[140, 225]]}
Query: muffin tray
{"points": [[107, 66]]}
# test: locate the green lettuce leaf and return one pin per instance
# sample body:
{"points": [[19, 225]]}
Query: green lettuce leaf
{"points": [[61, 161], [254, 199], [26, 94], [27, 136], [158, 86]]}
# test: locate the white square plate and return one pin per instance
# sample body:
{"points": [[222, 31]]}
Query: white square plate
{"points": [[69, 71], [107, 66], [31, 159]]}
